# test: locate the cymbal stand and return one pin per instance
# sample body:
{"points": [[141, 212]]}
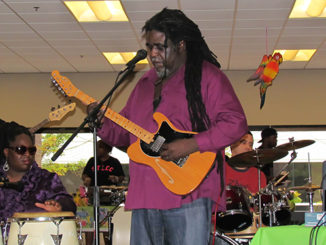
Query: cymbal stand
{"points": [[310, 193], [293, 156], [272, 208], [259, 185], [109, 217]]}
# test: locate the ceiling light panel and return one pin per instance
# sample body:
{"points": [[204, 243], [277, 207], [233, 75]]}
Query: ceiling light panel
{"points": [[309, 9], [97, 11]]}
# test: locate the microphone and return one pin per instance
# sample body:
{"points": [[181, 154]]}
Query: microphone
{"points": [[18, 186], [141, 54]]}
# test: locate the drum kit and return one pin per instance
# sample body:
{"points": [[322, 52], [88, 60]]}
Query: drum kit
{"points": [[246, 212], [60, 228]]}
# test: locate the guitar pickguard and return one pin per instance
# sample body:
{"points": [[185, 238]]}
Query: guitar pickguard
{"points": [[164, 135]]}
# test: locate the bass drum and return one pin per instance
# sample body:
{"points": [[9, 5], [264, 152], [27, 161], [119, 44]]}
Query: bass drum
{"points": [[248, 233], [121, 227], [237, 216]]}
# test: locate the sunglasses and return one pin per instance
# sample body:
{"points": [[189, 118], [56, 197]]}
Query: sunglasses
{"points": [[21, 150]]}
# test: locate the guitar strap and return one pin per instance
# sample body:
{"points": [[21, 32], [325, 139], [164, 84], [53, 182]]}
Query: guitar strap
{"points": [[157, 93], [220, 163]]}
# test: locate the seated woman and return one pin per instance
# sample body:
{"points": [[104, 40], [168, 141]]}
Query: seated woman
{"points": [[28, 188]]}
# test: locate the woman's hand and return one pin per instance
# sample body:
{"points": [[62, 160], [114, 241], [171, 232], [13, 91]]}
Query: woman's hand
{"points": [[50, 206]]}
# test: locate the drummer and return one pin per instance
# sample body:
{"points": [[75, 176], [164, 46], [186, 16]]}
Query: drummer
{"points": [[268, 141], [243, 176], [25, 186]]}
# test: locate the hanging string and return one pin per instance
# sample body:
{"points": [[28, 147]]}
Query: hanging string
{"points": [[266, 41]]}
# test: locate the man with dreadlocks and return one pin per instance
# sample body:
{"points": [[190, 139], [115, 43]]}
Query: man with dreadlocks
{"points": [[187, 86]]}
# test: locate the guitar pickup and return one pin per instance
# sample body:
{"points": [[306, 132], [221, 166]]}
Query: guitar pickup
{"points": [[157, 144]]}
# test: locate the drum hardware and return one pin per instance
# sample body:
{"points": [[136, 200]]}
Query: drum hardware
{"points": [[224, 237], [257, 158], [109, 216], [309, 188], [109, 195], [280, 179], [274, 207]]}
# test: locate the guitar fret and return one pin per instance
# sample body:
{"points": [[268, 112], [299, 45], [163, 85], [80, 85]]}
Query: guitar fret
{"points": [[130, 126], [70, 90]]}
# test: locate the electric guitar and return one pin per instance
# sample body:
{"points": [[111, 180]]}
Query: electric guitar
{"points": [[180, 177], [55, 115]]}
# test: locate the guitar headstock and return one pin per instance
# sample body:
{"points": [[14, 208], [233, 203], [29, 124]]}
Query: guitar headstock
{"points": [[58, 114], [63, 84]]}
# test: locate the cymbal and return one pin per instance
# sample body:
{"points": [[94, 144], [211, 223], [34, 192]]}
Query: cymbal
{"points": [[257, 157], [295, 145], [308, 187]]}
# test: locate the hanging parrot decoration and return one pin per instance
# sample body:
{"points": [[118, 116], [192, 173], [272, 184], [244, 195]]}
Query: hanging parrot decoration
{"points": [[266, 73]]}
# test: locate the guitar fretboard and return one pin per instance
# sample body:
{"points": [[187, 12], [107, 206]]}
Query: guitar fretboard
{"points": [[133, 128]]}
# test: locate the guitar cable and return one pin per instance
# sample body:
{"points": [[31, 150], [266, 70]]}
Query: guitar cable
{"points": [[316, 228]]}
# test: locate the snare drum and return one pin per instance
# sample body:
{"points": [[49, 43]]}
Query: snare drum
{"points": [[121, 227], [237, 216], [43, 229]]}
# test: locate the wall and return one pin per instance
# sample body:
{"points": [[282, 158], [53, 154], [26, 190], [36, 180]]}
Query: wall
{"points": [[296, 97]]}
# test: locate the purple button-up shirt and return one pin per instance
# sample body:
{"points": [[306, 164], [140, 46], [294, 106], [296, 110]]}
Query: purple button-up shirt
{"points": [[39, 185], [228, 124]]}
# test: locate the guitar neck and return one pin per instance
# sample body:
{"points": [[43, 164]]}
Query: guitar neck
{"points": [[123, 122], [38, 126]]}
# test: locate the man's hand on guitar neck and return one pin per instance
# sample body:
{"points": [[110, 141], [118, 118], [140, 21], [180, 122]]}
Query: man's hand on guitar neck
{"points": [[178, 149], [100, 114]]}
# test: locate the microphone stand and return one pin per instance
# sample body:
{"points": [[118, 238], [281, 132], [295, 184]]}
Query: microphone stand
{"points": [[91, 119]]}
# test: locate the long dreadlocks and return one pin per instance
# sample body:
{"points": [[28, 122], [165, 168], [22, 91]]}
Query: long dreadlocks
{"points": [[178, 27]]}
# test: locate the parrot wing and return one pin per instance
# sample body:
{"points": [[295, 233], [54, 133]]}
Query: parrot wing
{"points": [[260, 69]]}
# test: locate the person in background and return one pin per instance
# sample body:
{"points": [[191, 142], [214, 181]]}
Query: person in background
{"points": [[241, 184], [109, 169], [109, 172], [28, 188], [244, 176], [268, 141], [186, 86]]}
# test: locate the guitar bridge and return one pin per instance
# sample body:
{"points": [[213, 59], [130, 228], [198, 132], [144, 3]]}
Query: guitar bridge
{"points": [[181, 161]]}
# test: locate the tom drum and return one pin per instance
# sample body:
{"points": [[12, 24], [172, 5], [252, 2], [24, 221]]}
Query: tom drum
{"points": [[237, 216]]}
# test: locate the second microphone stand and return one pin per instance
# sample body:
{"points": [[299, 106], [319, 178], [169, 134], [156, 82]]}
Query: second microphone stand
{"points": [[91, 119]]}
